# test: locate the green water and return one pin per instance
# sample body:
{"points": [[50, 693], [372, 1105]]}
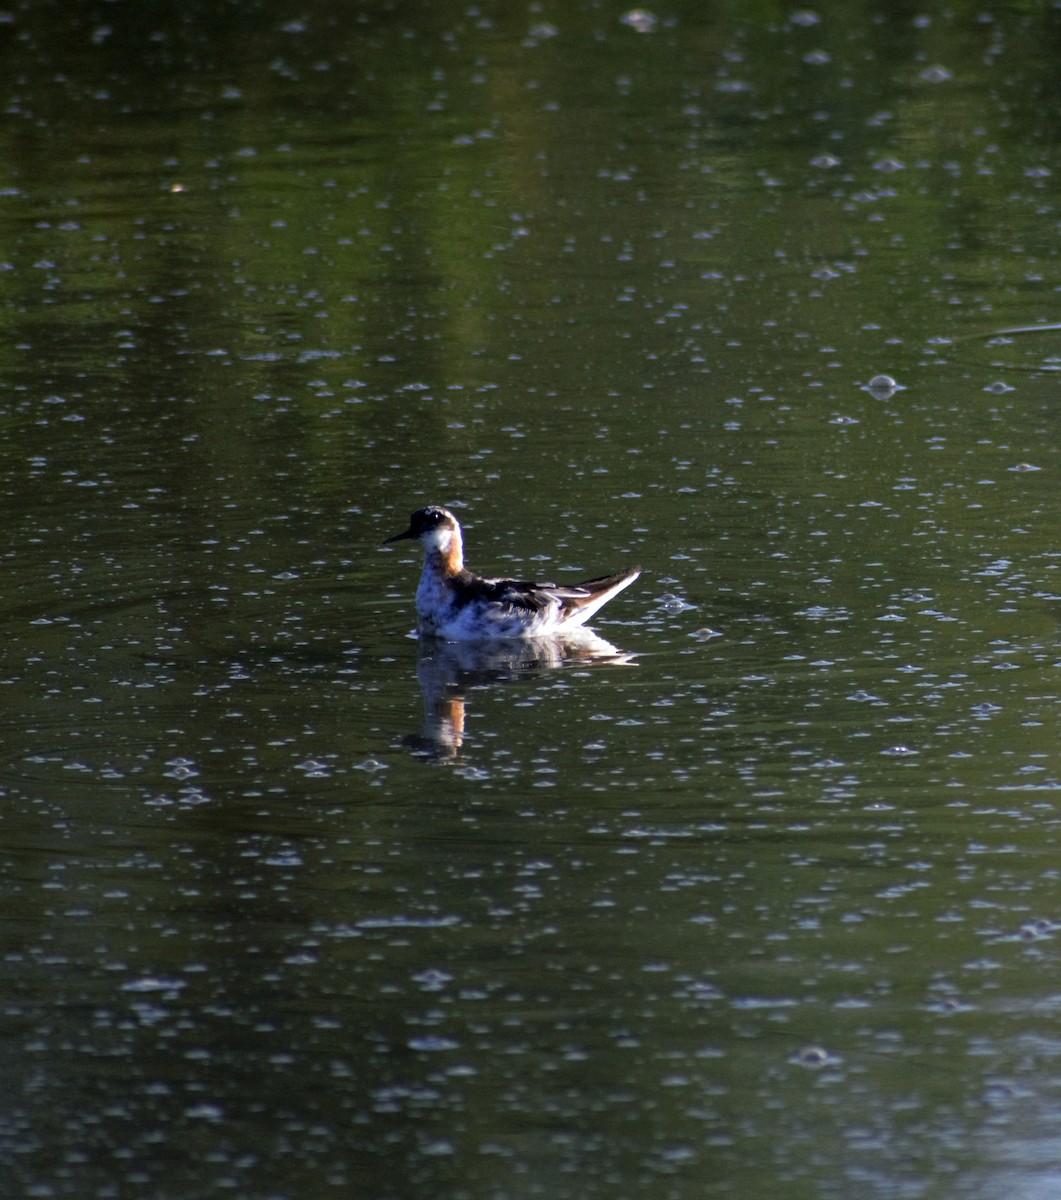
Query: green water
{"points": [[764, 901]]}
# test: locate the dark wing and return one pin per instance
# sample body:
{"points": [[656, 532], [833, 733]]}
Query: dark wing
{"points": [[532, 596], [522, 594]]}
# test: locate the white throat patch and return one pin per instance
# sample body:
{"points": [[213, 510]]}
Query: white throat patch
{"points": [[439, 539]]}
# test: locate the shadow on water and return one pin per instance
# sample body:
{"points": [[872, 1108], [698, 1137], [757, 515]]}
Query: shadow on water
{"points": [[448, 671]]}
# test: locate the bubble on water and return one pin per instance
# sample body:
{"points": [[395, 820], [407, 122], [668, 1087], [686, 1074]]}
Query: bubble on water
{"points": [[674, 604], [815, 1057], [476, 774], [948, 1005], [204, 1112], [998, 388], [432, 1043], [882, 385], [181, 768], [640, 20], [152, 983], [437, 1148]]}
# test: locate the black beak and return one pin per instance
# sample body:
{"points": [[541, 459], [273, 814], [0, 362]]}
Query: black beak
{"points": [[399, 537]]}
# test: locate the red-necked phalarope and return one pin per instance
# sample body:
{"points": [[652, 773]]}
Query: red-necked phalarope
{"points": [[454, 604]]}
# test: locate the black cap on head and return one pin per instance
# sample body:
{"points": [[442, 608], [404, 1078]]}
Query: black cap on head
{"points": [[422, 520]]}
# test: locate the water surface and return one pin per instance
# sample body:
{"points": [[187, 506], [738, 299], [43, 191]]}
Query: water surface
{"points": [[762, 899]]}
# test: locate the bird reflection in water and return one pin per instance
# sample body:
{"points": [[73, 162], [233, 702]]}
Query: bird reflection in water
{"points": [[447, 671]]}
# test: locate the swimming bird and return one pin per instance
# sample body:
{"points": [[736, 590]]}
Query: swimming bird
{"points": [[457, 605]]}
